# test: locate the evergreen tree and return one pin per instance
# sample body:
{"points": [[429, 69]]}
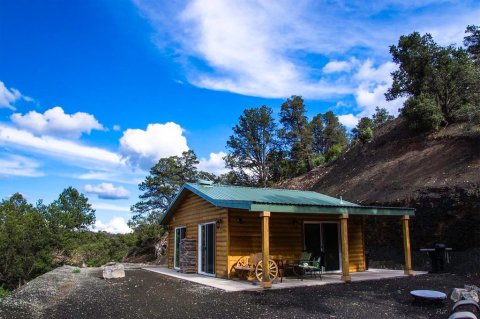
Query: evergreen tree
{"points": [[161, 185], [334, 134], [364, 130], [296, 132], [381, 116], [252, 140], [472, 42], [446, 76]]}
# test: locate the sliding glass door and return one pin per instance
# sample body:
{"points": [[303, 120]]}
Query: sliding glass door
{"points": [[179, 235], [206, 248], [322, 240]]}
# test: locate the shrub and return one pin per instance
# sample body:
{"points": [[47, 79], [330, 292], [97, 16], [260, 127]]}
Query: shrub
{"points": [[333, 152], [422, 114], [3, 292], [76, 270]]}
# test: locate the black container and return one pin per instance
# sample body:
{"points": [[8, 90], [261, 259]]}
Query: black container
{"points": [[438, 257]]}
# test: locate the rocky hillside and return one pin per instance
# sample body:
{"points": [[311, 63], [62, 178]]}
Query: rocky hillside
{"points": [[438, 174]]}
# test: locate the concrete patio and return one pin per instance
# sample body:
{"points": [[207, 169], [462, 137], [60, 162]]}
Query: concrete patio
{"points": [[288, 282]]}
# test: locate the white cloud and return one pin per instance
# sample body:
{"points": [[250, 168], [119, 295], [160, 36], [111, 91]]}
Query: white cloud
{"points": [[116, 225], [337, 66], [16, 165], [373, 84], [74, 153], [145, 147], [214, 164], [259, 48], [116, 128], [107, 191], [349, 120], [247, 48], [8, 97], [55, 121]]}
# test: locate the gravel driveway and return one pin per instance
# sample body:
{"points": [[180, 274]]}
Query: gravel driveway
{"points": [[143, 294]]}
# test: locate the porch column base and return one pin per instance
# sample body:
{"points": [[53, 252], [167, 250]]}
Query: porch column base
{"points": [[347, 278], [266, 284]]}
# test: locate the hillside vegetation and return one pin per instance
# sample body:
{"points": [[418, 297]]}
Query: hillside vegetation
{"points": [[437, 173]]}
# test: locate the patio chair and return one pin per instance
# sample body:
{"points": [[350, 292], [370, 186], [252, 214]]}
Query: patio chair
{"points": [[311, 268]]}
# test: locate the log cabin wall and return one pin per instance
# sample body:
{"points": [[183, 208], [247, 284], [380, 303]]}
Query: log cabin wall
{"points": [[192, 211], [286, 236]]}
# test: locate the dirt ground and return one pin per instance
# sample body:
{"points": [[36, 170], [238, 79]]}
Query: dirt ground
{"points": [[143, 294]]}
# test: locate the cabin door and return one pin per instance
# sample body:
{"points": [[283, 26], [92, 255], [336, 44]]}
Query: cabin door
{"points": [[206, 249], [322, 239]]}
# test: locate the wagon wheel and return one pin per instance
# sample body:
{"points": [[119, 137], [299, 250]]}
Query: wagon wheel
{"points": [[273, 270]]}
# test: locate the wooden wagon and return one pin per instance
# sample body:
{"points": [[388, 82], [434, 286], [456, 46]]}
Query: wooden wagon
{"points": [[250, 267]]}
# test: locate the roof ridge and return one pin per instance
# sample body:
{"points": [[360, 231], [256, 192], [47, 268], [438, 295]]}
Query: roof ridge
{"points": [[267, 188]]}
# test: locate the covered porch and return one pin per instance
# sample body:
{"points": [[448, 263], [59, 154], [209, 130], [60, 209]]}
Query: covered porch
{"points": [[335, 239]]}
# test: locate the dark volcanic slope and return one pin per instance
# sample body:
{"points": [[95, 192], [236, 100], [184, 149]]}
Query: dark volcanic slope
{"points": [[396, 167]]}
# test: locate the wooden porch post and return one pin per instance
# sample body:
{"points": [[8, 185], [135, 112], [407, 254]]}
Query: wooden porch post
{"points": [[406, 246], [344, 240], [266, 283]]}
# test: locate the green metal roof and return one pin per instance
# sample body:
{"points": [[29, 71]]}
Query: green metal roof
{"points": [[279, 200]]}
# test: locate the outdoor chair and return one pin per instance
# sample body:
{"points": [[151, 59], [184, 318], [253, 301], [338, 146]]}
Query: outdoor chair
{"points": [[312, 268]]}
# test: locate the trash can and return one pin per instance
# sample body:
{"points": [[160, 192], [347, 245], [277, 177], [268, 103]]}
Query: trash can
{"points": [[437, 256]]}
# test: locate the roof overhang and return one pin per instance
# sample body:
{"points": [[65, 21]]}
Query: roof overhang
{"points": [[285, 208]]}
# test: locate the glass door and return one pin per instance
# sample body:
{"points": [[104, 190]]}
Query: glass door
{"points": [[322, 240], [179, 235], [206, 249]]}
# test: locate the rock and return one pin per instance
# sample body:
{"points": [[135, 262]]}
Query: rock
{"points": [[114, 271], [457, 294]]}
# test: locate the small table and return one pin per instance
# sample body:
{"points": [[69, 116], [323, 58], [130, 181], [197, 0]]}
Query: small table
{"points": [[428, 295]]}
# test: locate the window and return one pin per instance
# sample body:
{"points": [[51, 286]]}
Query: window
{"points": [[179, 235]]}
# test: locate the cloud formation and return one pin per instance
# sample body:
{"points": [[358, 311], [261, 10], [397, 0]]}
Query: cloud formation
{"points": [[107, 191], [116, 225], [8, 97], [16, 165], [74, 152], [214, 163], [55, 122], [143, 148], [317, 49]]}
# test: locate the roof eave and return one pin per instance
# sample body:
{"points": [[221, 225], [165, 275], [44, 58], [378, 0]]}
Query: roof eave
{"points": [[334, 210]]}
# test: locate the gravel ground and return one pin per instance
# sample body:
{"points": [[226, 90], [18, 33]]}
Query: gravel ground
{"points": [[143, 294]]}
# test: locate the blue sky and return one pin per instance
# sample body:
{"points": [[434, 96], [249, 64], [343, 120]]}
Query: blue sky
{"points": [[93, 92]]}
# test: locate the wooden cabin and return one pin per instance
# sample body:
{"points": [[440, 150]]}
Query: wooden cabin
{"points": [[223, 223]]}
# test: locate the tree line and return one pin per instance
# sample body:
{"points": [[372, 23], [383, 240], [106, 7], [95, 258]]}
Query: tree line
{"points": [[35, 238]]}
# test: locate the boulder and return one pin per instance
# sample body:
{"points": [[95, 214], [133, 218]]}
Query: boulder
{"points": [[114, 271]]}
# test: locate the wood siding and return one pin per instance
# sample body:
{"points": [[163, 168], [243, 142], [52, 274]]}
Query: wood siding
{"points": [[192, 211], [286, 236]]}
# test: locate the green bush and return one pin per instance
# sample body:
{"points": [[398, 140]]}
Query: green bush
{"points": [[333, 152], [318, 160], [422, 114], [76, 270], [468, 113], [3, 292]]}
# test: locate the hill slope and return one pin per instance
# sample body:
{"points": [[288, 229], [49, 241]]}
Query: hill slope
{"points": [[438, 174]]}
